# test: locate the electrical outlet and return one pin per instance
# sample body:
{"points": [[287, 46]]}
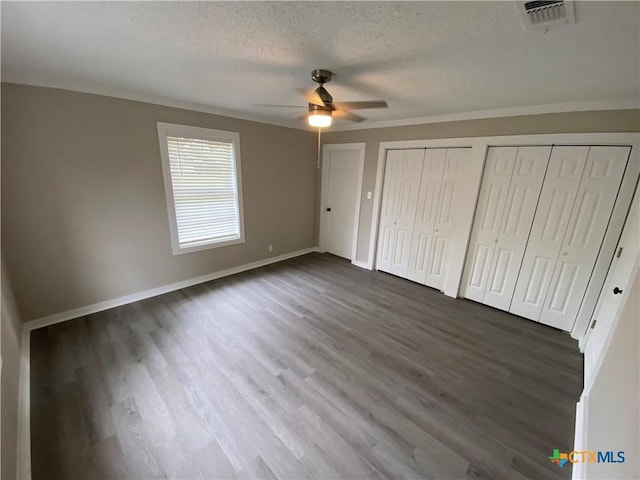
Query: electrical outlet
{"points": [[368, 195], [270, 248]]}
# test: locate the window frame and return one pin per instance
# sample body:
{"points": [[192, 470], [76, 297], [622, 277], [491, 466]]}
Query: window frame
{"points": [[171, 129]]}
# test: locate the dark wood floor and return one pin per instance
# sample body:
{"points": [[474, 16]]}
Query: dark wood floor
{"points": [[309, 368]]}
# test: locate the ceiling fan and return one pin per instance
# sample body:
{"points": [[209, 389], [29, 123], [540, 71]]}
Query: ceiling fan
{"points": [[322, 108]]}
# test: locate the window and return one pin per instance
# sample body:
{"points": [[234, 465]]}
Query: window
{"points": [[203, 185]]}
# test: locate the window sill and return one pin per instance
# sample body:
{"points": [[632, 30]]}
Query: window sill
{"points": [[177, 250]]}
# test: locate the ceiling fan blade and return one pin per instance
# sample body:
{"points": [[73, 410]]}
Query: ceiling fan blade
{"points": [[311, 97], [359, 105], [348, 116], [277, 105]]}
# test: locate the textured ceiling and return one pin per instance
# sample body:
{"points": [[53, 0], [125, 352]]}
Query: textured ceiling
{"points": [[425, 58]]}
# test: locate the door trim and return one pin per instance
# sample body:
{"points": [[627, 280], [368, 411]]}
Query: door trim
{"points": [[326, 152], [479, 146]]}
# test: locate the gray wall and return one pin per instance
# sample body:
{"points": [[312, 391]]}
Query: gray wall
{"points": [[578, 122], [83, 210], [84, 217], [10, 350]]}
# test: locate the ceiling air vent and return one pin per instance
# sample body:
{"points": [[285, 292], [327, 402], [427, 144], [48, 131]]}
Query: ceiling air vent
{"points": [[546, 13]]}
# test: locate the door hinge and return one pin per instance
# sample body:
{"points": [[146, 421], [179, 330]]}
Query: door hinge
{"points": [[593, 323], [619, 252]]}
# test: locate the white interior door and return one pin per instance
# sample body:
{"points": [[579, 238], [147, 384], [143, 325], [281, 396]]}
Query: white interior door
{"points": [[493, 195], [555, 205], [615, 290], [342, 193], [522, 199], [587, 225], [399, 199], [444, 227], [426, 211]]}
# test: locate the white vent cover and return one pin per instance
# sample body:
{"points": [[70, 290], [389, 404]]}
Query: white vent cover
{"points": [[542, 14]]}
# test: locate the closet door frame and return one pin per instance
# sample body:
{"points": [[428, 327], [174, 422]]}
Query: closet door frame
{"points": [[471, 187]]}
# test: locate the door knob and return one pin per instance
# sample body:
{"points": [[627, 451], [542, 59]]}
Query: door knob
{"points": [[616, 291], [328, 209]]}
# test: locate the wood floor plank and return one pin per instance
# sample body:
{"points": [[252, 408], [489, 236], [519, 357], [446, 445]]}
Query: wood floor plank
{"points": [[140, 457], [308, 368], [107, 461]]}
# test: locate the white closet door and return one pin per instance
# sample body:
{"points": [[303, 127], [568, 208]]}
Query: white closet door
{"points": [[587, 225], [493, 194], [558, 195], [444, 232], [522, 198], [407, 211], [389, 208], [426, 211], [399, 200]]}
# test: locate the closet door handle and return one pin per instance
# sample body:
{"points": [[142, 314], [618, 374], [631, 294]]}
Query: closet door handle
{"points": [[616, 291]]}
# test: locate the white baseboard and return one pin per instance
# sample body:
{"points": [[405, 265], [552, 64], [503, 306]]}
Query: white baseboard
{"points": [[580, 438], [153, 292], [361, 264], [24, 407], [24, 401]]}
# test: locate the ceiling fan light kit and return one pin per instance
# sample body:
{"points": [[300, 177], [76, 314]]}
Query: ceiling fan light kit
{"points": [[319, 118]]}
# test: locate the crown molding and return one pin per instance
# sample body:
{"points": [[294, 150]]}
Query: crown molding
{"points": [[162, 101], [566, 107]]}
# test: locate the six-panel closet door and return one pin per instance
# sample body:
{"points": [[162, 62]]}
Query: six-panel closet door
{"points": [[570, 224], [426, 211], [433, 229], [549, 226], [510, 190], [399, 199], [511, 242], [493, 195], [417, 216], [444, 228], [541, 218]]}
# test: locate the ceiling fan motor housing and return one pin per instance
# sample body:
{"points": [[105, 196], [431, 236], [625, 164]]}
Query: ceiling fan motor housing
{"points": [[316, 108], [321, 76]]}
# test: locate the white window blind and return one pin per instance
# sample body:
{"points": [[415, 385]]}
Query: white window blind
{"points": [[203, 175]]}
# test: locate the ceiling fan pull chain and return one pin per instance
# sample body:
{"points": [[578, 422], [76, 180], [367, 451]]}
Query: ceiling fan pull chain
{"points": [[318, 162]]}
